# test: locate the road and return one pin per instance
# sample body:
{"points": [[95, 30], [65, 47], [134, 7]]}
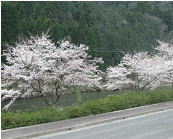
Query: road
{"points": [[158, 125]]}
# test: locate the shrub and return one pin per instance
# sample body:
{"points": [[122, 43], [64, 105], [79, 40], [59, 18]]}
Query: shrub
{"points": [[19, 119]]}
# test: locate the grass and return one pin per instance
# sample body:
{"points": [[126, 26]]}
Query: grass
{"points": [[93, 107]]}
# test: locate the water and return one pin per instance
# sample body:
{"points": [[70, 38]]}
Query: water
{"points": [[28, 104]]}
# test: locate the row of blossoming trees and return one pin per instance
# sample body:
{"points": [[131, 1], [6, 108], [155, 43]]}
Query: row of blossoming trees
{"points": [[39, 67], [142, 70]]}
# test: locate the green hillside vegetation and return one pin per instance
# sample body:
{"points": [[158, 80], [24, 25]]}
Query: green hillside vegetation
{"points": [[108, 28]]}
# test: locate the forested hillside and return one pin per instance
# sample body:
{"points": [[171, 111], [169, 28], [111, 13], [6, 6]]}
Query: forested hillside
{"points": [[108, 28]]}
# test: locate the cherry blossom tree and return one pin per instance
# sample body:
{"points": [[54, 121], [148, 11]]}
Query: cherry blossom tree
{"points": [[165, 51], [142, 70], [117, 78], [139, 70], [38, 67]]}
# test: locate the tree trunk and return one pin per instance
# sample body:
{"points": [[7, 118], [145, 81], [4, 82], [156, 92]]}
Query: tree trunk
{"points": [[39, 90], [136, 83], [46, 101], [55, 96]]}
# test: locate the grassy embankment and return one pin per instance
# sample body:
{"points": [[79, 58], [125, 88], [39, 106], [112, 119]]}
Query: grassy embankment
{"points": [[112, 103]]}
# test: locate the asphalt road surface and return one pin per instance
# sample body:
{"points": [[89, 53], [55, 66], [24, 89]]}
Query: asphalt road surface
{"points": [[158, 125]]}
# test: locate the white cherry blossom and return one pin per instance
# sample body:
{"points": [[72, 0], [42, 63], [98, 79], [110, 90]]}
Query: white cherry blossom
{"points": [[38, 67]]}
